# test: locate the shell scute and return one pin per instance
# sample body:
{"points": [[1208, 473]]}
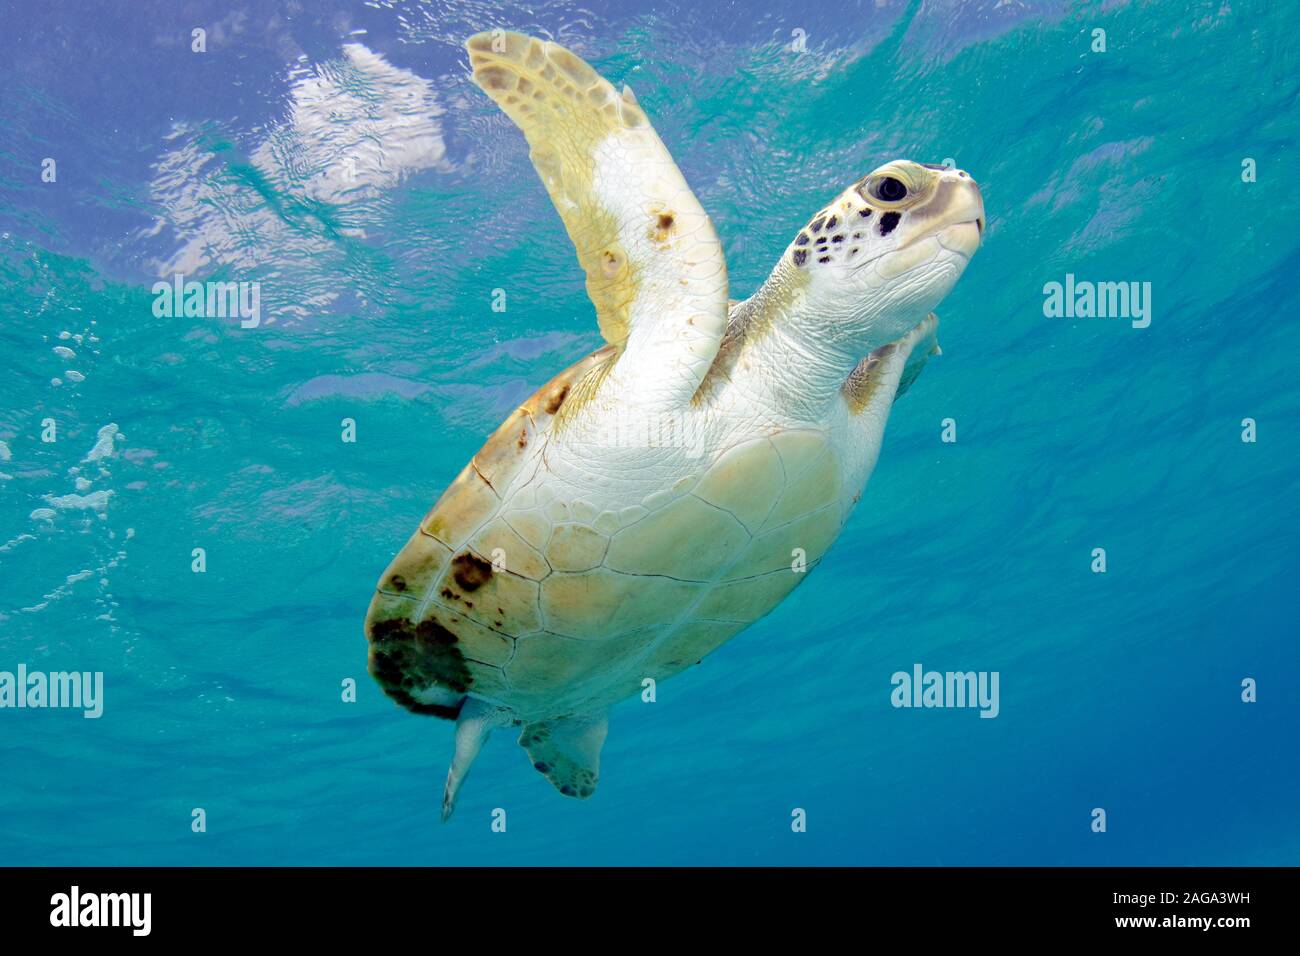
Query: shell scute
{"points": [[547, 663], [689, 644], [810, 489], [463, 507], [416, 567], [576, 547], [749, 598], [485, 593], [744, 481], [775, 550], [597, 605], [498, 460], [688, 539], [500, 544], [531, 525], [798, 449], [476, 642]]}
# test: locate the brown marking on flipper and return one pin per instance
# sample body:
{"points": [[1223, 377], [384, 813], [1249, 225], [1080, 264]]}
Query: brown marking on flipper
{"points": [[566, 111], [612, 261], [864, 382], [663, 226]]}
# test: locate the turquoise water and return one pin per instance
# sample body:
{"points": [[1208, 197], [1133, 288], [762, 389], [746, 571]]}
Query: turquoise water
{"points": [[342, 159]]}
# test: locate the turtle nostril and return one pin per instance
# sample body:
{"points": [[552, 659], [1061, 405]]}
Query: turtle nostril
{"points": [[979, 225]]}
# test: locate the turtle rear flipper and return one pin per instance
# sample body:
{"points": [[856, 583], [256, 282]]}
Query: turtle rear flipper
{"points": [[476, 721], [566, 751]]}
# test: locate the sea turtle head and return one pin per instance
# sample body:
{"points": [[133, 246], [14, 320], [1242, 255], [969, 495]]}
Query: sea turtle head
{"points": [[886, 250]]}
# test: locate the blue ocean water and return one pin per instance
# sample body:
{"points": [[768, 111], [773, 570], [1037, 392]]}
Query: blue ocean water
{"points": [[337, 154]]}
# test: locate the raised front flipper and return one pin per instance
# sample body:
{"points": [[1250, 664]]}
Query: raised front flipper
{"points": [[655, 268]]}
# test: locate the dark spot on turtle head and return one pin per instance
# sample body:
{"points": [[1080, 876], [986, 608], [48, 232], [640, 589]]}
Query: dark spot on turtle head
{"points": [[523, 438], [543, 766], [824, 259], [448, 593], [817, 224], [857, 235], [398, 582], [853, 251], [821, 240], [888, 221], [832, 222], [801, 239], [470, 571], [837, 239], [666, 220], [556, 400], [501, 610], [865, 213], [470, 605], [568, 791], [800, 257]]}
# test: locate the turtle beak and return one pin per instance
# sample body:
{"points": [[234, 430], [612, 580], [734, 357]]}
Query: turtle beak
{"points": [[964, 213], [953, 211], [968, 207], [971, 198], [979, 220]]}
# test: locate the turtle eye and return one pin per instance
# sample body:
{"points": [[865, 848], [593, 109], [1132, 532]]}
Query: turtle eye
{"points": [[888, 189]]}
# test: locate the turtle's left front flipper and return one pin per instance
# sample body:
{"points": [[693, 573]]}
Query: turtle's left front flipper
{"points": [[655, 268], [566, 751]]}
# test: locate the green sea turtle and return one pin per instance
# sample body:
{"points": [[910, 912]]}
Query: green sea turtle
{"points": [[666, 491]]}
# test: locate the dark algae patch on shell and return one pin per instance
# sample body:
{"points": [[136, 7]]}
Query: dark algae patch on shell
{"points": [[406, 658], [470, 571]]}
